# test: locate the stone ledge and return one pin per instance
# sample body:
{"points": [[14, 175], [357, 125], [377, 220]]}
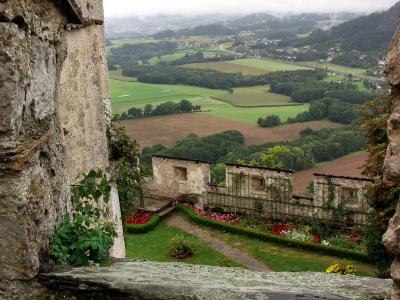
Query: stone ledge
{"points": [[151, 280]]}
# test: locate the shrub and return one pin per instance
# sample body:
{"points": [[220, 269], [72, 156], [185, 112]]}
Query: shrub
{"points": [[181, 247], [341, 269], [87, 235], [143, 228]]}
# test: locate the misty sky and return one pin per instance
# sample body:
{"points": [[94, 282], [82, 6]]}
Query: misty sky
{"points": [[194, 7]]}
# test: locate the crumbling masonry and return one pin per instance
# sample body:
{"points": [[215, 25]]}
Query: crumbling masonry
{"points": [[263, 191]]}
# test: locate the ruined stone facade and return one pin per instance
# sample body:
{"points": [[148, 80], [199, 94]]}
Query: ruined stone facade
{"points": [[54, 105], [392, 162], [173, 178], [264, 191]]}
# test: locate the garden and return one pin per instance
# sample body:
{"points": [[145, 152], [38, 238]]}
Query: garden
{"points": [[279, 246]]}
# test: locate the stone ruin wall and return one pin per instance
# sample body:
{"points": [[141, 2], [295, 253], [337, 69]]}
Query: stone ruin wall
{"points": [[391, 238], [54, 113], [173, 178], [256, 190]]}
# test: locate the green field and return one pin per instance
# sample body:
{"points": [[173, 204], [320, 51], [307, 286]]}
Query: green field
{"points": [[333, 78], [247, 66], [268, 65], [125, 95], [335, 68], [117, 75], [256, 96]]}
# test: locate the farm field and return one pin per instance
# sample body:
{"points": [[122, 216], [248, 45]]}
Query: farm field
{"points": [[349, 165], [248, 66], [255, 97], [269, 65], [117, 75], [120, 42], [227, 67], [167, 130], [125, 95], [335, 68]]}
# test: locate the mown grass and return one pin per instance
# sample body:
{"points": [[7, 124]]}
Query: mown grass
{"points": [[255, 96], [125, 95], [154, 246], [335, 68]]}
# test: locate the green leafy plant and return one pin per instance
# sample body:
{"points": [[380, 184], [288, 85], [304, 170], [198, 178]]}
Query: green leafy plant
{"points": [[181, 247], [130, 183], [86, 235]]}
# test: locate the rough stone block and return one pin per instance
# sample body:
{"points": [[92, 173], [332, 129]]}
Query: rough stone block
{"points": [[88, 11]]}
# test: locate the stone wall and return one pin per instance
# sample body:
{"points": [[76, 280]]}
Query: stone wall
{"points": [[392, 161], [174, 178], [264, 191], [54, 112]]}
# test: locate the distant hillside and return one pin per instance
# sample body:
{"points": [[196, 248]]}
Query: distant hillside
{"points": [[212, 30], [367, 33]]}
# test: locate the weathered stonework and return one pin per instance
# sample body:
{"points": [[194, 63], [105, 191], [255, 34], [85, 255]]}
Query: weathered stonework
{"points": [[265, 191], [150, 280], [54, 113], [174, 178], [391, 238]]}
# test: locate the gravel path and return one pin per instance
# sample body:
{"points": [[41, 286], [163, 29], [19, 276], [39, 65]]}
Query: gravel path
{"points": [[178, 221]]}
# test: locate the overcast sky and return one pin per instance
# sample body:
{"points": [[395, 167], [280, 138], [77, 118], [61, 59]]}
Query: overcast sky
{"points": [[194, 7]]}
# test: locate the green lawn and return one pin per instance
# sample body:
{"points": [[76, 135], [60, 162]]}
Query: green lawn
{"points": [[285, 259], [125, 95], [154, 246], [255, 97]]}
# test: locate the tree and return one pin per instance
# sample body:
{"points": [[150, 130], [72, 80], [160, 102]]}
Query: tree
{"points": [[136, 113], [148, 110], [269, 121], [270, 159], [186, 106]]}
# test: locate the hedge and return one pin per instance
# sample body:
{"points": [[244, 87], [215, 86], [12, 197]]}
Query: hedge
{"points": [[251, 233], [142, 228]]}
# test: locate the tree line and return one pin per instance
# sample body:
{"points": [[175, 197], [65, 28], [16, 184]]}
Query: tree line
{"points": [[166, 108], [228, 147], [162, 74]]}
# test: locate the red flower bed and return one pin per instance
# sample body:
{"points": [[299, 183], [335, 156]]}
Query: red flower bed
{"points": [[227, 218], [279, 228], [316, 239], [139, 219], [355, 237]]}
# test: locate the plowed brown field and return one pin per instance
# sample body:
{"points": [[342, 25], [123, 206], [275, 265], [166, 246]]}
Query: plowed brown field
{"points": [[166, 130]]}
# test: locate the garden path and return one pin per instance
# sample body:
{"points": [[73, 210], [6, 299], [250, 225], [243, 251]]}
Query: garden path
{"points": [[175, 220]]}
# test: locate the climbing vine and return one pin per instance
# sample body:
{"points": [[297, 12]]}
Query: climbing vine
{"points": [[86, 234], [331, 192]]}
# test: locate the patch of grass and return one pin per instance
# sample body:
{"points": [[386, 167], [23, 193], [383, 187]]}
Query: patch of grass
{"points": [[255, 97], [153, 246], [284, 259], [120, 42], [117, 75]]}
